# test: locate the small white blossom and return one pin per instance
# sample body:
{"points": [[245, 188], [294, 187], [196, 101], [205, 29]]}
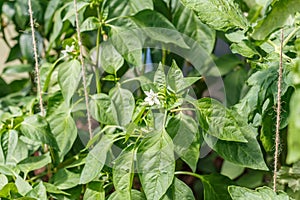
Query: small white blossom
{"points": [[152, 98], [69, 49]]}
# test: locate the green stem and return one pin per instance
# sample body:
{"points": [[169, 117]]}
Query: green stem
{"points": [[289, 37], [97, 73], [189, 173], [165, 118], [182, 109], [164, 56], [48, 79]]}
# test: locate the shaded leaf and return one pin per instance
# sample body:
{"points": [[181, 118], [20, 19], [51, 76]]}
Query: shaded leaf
{"points": [[184, 131], [178, 191], [65, 179], [215, 187], [95, 190], [159, 28], [34, 162], [37, 129]]}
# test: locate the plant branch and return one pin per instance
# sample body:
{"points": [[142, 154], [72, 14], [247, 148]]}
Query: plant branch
{"points": [[84, 78]]}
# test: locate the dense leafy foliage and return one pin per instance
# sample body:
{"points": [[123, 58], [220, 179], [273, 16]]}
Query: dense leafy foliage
{"points": [[149, 66]]}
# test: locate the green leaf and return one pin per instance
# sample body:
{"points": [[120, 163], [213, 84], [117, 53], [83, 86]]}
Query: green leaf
{"points": [[131, 49], [189, 24], [94, 190], [64, 179], [123, 172], [135, 194], [49, 13], [222, 123], [71, 9], [37, 129], [26, 45], [34, 162], [3, 181], [9, 191], [268, 130], [110, 59], [63, 128], [50, 188], [262, 193], [234, 83], [15, 69], [69, 73], [159, 28], [293, 143], [242, 154], [23, 186], [213, 117], [102, 108], [156, 164], [215, 187], [221, 15], [176, 81], [137, 5], [279, 16], [17, 150], [38, 192], [178, 191], [184, 131], [290, 176], [160, 76], [57, 25], [244, 48], [96, 159], [231, 170], [124, 104], [90, 24]]}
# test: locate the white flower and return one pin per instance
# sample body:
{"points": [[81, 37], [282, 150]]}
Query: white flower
{"points": [[69, 49], [152, 98]]}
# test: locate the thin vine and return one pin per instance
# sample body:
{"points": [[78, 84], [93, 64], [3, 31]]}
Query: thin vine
{"points": [[84, 79], [37, 71], [278, 112]]}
